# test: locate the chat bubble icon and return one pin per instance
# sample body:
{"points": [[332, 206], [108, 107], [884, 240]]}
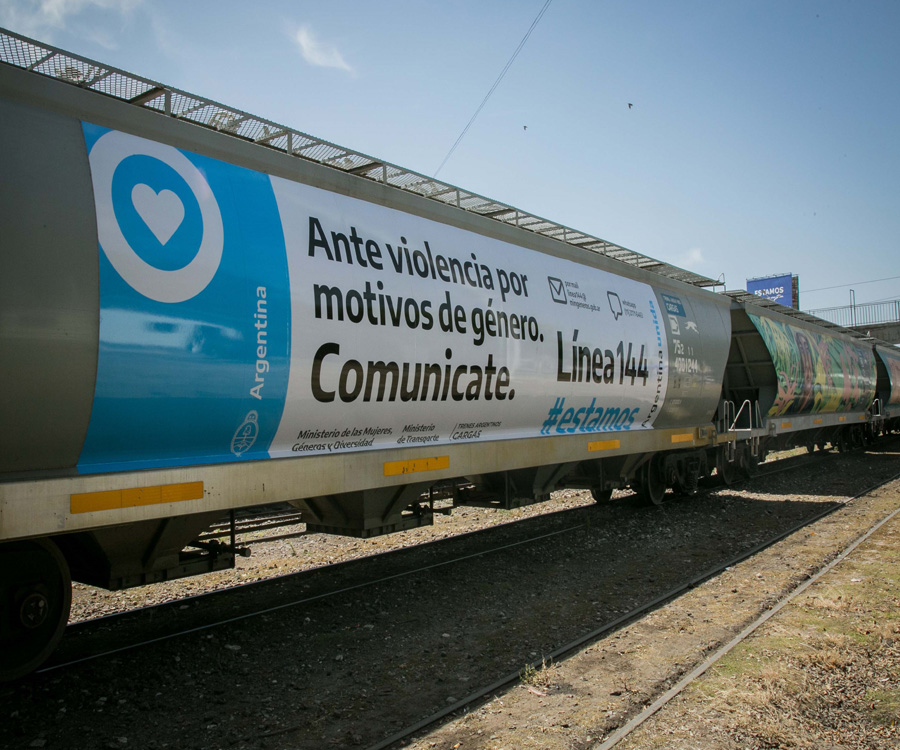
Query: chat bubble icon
{"points": [[615, 304]]}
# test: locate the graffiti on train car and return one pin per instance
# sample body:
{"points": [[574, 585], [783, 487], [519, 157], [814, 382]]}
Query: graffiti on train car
{"points": [[891, 361], [816, 373], [245, 316]]}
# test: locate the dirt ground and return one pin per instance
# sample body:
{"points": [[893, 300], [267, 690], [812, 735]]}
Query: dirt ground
{"points": [[823, 674], [303, 552], [352, 662]]}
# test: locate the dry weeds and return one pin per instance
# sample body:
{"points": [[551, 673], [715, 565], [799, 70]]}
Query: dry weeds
{"points": [[824, 674]]}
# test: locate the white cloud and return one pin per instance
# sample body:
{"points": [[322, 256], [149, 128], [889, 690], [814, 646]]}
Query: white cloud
{"points": [[40, 18], [318, 53], [691, 259]]}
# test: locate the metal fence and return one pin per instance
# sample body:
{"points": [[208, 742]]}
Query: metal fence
{"points": [[865, 314]]}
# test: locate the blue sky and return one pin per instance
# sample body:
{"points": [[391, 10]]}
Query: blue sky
{"points": [[763, 136]]}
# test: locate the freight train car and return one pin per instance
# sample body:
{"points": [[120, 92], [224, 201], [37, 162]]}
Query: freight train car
{"points": [[886, 406], [202, 311], [194, 322], [792, 381]]}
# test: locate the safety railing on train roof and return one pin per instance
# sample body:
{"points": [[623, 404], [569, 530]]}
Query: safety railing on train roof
{"points": [[44, 59], [863, 314], [749, 298]]}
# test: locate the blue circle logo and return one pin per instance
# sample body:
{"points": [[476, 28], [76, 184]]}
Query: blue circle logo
{"points": [[157, 218]]}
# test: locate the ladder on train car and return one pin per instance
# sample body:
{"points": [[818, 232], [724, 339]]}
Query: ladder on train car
{"points": [[728, 423]]}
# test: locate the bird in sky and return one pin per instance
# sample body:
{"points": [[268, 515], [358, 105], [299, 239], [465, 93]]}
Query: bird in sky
{"points": [[630, 105]]}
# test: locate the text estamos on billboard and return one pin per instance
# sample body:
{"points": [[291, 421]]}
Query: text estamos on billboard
{"points": [[776, 288]]}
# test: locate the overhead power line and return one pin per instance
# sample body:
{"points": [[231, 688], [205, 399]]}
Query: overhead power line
{"points": [[496, 83], [854, 283]]}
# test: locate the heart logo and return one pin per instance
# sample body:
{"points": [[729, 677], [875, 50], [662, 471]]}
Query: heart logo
{"points": [[162, 212]]}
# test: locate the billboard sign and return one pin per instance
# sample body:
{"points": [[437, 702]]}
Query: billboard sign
{"points": [[776, 288]]}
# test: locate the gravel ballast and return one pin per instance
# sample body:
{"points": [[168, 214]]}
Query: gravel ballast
{"points": [[351, 669]]}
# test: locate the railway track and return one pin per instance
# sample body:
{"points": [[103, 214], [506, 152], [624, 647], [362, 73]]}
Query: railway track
{"points": [[104, 627], [562, 651], [110, 620], [353, 641], [702, 668]]}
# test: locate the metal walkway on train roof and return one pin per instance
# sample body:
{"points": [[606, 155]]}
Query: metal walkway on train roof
{"points": [[751, 299], [44, 59], [29, 54]]}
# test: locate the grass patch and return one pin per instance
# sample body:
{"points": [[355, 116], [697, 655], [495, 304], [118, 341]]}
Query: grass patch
{"points": [[544, 676], [806, 676], [883, 706]]}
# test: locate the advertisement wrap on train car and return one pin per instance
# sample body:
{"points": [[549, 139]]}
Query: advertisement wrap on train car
{"points": [[816, 373], [246, 316]]}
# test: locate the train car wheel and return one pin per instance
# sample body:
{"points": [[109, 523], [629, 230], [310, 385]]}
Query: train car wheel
{"points": [[35, 597], [600, 495], [726, 470], [651, 482], [843, 441], [749, 463]]}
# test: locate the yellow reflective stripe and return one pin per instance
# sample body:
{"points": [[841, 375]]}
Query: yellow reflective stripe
{"points": [[396, 468], [786, 425], [686, 437], [817, 421], [603, 445], [89, 502]]}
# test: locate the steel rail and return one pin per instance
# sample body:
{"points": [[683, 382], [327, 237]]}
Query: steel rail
{"points": [[283, 605], [331, 567], [75, 627], [615, 624], [79, 625], [698, 671]]}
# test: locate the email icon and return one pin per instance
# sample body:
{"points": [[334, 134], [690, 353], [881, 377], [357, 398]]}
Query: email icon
{"points": [[557, 290]]}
